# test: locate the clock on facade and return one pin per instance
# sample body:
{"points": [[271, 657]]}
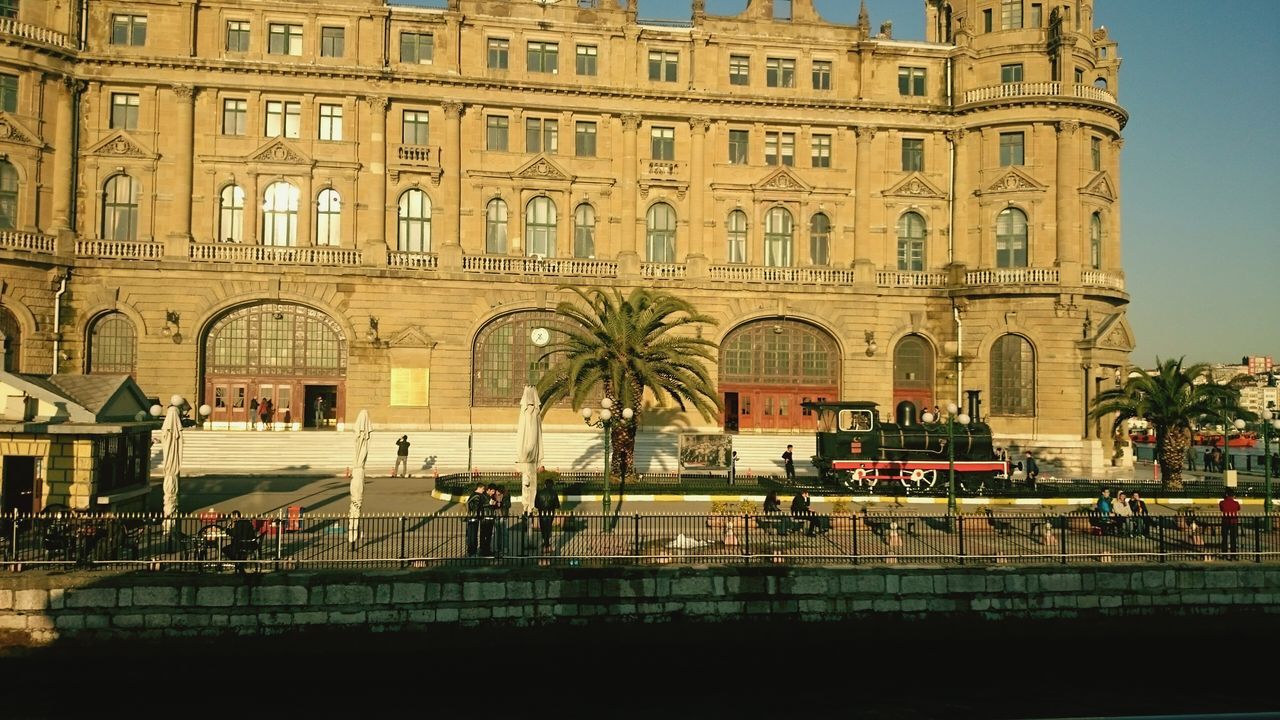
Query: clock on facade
{"points": [[540, 336]]}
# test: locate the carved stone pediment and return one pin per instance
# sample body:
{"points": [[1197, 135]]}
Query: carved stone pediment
{"points": [[1115, 333], [414, 336], [783, 179], [1101, 186], [1014, 180], [121, 144], [278, 151], [543, 168], [13, 131], [915, 186]]}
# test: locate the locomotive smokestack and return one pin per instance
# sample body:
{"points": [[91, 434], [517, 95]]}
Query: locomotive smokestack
{"points": [[906, 413], [974, 401]]}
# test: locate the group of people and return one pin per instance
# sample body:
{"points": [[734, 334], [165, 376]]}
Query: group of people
{"points": [[1125, 515], [1213, 459], [265, 411], [801, 513], [488, 509]]}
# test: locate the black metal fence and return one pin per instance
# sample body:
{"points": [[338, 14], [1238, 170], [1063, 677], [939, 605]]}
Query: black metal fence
{"points": [[210, 542]]}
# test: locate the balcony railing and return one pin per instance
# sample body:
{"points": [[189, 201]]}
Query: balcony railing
{"points": [[1038, 89], [800, 275], [120, 249], [517, 265], [665, 168], [662, 271], [235, 252], [9, 26], [26, 241], [910, 279], [418, 155], [1102, 278], [414, 260], [1012, 276]]}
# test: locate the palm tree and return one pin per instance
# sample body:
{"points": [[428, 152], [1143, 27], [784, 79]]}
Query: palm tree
{"points": [[1170, 399], [623, 347]]}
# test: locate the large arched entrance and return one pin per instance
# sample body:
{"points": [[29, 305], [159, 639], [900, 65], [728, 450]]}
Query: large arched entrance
{"points": [[10, 342], [292, 355], [769, 367], [913, 372]]}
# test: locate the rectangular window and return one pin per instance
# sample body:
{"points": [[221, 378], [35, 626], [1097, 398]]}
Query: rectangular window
{"points": [[739, 70], [1095, 153], [912, 155], [1037, 15], [911, 81], [496, 133], [663, 66], [1079, 76], [9, 93], [331, 122], [129, 30], [417, 47], [1010, 14], [283, 118], [780, 72], [235, 117], [821, 151], [739, 147], [1011, 149], [124, 111], [585, 59], [284, 39], [414, 127], [543, 57], [238, 36], [584, 139], [541, 135], [662, 143], [821, 74], [1011, 73], [986, 20], [9, 9], [499, 51], [779, 148], [333, 42]]}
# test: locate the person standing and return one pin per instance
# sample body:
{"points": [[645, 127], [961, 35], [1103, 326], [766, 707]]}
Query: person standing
{"points": [[1230, 509], [733, 467], [321, 412], [547, 503], [1191, 458], [1033, 470], [475, 509], [402, 457], [253, 412], [788, 464]]}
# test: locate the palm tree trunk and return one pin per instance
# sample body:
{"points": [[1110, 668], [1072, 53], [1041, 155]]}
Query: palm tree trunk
{"points": [[624, 450], [1171, 453]]}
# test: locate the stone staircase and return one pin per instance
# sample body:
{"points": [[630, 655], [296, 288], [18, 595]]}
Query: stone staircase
{"points": [[282, 453]]}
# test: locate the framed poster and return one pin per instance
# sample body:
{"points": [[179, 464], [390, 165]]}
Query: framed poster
{"points": [[705, 451]]}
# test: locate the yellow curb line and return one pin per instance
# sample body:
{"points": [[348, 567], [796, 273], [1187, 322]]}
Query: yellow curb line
{"points": [[448, 497]]}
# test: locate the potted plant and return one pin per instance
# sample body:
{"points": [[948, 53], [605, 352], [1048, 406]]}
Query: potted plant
{"points": [[841, 515]]}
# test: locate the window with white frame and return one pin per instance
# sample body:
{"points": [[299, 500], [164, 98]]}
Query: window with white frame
{"points": [[584, 231], [736, 235], [542, 57], [329, 218], [780, 148], [124, 111], [231, 214], [1011, 73], [911, 81], [780, 72], [417, 47], [237, 36], [284, 39], [584, 138], [541, 135], [779, 237], [330, 122], [660, 235], [120, 208], [912, 155], [1010, 14], [496, 133], [662, 143], [1011, 238], [499, 53], [585, 59], [664, 65], [820, 156], [415, 126], [911, 232], [540, 227], [413, 220], [495, 227], [283, 119], [333, 42], [821, 74], [1011, 149], [280, 214], [235, 116], [739, 70], [129, 30], [739, 147]]}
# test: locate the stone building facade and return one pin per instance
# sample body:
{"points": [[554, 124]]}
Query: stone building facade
{"points": [[372, 206]]}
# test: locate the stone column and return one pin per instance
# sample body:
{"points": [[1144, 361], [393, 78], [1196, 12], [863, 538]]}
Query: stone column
{"points": [[179, 237], [451, 164], [1068, 236], [1111, 247], [306, 212], [64, 154], [862, 194], [628, 257], [697, 254], [374, 244], [252, 210], [963, 184]]}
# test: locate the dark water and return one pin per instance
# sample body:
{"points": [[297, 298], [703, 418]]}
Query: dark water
{"points": [[922, 669]]}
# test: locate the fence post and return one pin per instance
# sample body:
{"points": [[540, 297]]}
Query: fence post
{"points": [[279, 537], [854, 525], [1257, 539], [1164, 551], [404, 529], [959, 521], [746, 534], [1062, 544], [635, 535]]}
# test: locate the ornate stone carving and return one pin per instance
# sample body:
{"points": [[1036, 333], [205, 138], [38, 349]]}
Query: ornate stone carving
{"points": [[541, 169], [377, 103], [782, 180], [11, 133], [957, 136], [865, 133], [630, 122], [699, 125], [1013, 181], [1101, 186], [184, 93], [1068, 127], [452, 110], [278, 152], [915, 186], [120, 146]]}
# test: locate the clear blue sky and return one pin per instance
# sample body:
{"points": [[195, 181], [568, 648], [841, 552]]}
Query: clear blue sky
{"points": [[1199, 168]]}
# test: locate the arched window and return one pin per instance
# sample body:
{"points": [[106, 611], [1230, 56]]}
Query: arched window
{"points": [[540, 227], [1011, 238], [913, 371], [1013, 376], [819, 239], [276, 339], [112, 346], [737, 230], [231, 214], [495, 227], [769, 368], [778, 235], [8, 196], [280, 215], [329, 218], [661, 235], [120, 208], [1095, 241], [504, 358], [10, 341], [414, 214], [584, 231], [1100, 83], [911, 242]]}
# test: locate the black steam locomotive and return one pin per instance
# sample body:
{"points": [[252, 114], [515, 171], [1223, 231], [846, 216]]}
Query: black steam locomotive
{"points": [[857, 451]]}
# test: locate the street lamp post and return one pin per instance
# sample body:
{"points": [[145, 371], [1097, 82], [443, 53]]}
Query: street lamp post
{"points": [[952, 418], [605, 419], [1269, 422]]}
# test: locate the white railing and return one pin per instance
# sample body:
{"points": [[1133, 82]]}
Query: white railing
{"points": [[665, 168], [1012, 276], [235, 252], [661, 271], [1038, 89], [415, 260], [420, 154], [801, 275], [909, 278], [120, 249], [26, 241], [1102, 278], [9, 26], [516, 265]]}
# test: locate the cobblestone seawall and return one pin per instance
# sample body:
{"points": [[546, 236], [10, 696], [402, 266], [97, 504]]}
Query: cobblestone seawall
{"points": [[48, 606]]}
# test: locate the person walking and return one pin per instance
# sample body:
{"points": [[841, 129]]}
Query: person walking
{"points": [[788, 464], [253, 413], [1033, 471], [402, 457], [321, 412], [1230, 509], [547, 503]]}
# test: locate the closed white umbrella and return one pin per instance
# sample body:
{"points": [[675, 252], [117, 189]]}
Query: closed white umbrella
{"points": [[363, 431], [171, 444], [529, 445]]}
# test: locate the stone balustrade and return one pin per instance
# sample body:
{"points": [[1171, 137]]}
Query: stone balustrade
{"points": [[236, 252], [414, 260], [1102, 278], [1012, 276], [1038, 89], [910, 279], [522, 265], [662, 271], [26, 241], [27, 31], [119, 249]]}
